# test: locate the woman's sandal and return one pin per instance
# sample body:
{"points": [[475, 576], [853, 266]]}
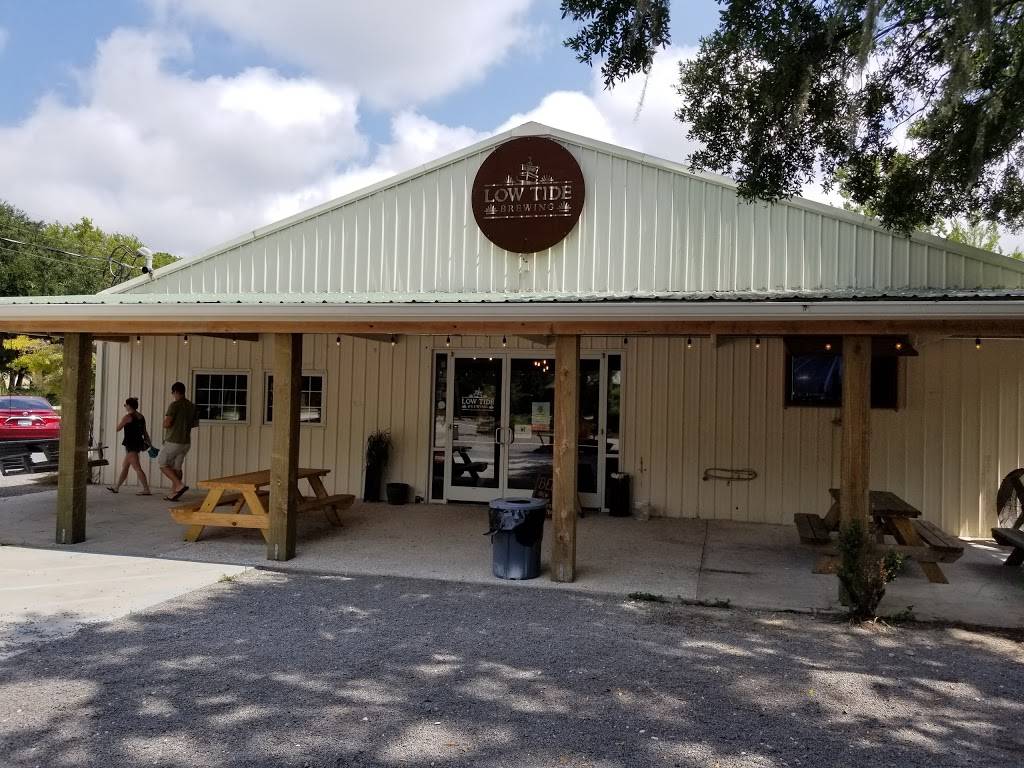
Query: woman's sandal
{"points": [[111, 489]]}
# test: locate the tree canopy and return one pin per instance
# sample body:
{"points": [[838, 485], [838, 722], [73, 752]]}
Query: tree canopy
{"points": [[50, 258], [917, 104], [34, 266]]}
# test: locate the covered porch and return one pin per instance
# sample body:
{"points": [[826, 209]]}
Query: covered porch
{"points": [[559, 324], [714, 562]]}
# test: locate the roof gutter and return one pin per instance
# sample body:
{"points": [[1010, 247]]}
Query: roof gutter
{"points": [[990, 318]]}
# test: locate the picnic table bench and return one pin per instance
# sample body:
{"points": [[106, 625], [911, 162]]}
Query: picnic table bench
{"points": [[916, 539], [246, 494]]}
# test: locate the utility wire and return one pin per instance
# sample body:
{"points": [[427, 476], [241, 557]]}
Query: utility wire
{"points": [[65, 262], [57, 250]]}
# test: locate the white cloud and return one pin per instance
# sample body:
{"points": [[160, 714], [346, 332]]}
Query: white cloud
{"points": [[396, 52], [639, 113], [415, 140], [610, 116], [183, 162]]}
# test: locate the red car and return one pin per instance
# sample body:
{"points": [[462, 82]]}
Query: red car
{"points": [[24, 417]]}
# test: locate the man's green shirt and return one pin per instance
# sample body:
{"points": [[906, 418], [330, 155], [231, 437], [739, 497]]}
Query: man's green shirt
{"points": [[183, 417]]}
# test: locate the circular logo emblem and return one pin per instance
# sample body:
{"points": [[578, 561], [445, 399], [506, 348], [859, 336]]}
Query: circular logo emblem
{"points": [[528, 194]]}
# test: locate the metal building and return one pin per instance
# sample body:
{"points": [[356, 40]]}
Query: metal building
{"points": [[718, 342]]}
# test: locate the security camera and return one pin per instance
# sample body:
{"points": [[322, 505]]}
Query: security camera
{"points": [[147, 254]]}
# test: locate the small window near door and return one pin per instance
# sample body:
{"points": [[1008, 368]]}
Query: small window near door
{"points": [[311, 399], [222, 396]]}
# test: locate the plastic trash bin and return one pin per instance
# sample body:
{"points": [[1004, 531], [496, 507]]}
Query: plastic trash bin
{"points": [[516, 531], [618, 495]]}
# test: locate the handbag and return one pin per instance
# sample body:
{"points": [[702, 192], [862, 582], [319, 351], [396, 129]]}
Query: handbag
{"points": [[153, 451]]}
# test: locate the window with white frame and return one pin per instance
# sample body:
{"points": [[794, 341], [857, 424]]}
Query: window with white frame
{"points": [[221, 396], [311, 399]]}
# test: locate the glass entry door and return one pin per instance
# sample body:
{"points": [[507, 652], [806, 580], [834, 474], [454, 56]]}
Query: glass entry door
{"points": [[476, 408], [500, 422]]}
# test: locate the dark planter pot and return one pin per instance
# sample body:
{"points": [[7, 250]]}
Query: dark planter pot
{"points": [[374, 477], [398, 493]]}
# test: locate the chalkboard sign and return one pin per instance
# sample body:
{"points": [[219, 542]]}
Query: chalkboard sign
{"points": [[542, 490], [542, 487]]}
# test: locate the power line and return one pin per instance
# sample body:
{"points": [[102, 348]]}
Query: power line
{"points": [[65, 262], [59, 250]]}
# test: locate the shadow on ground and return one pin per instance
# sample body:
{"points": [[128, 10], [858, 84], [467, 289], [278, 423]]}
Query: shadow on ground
{"points": [[295, 670]]}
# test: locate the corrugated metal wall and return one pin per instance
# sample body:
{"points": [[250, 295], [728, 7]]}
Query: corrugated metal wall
{"points": [[369, 385], [644, 227], [959, 430]]}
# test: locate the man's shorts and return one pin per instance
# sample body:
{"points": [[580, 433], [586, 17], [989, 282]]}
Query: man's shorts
{"points": [[173, 455]]}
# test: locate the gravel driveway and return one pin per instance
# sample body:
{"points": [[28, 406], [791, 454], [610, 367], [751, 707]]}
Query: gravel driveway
{"points": [[300, 670]]}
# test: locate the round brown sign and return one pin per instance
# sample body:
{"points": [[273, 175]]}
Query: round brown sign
{"points": [[528, 194]]}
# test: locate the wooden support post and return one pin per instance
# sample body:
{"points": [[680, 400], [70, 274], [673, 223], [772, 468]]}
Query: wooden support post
{"points": [[856, 436], [73, 467], [284, 461], [563, 495]]}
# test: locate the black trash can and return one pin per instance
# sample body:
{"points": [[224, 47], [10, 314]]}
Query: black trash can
{"points": [[516, 531], [618, 495]]}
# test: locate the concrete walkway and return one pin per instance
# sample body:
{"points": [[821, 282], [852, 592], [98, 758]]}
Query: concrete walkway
{"points": [[749, 565], [46, 594]]}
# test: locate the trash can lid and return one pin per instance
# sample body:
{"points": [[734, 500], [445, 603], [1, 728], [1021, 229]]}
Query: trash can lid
{"points": [[515, 505]]}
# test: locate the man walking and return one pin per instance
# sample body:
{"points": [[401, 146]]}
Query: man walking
{"points": [[178, 423]]}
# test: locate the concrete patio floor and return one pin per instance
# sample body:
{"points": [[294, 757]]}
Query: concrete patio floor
{"points": [[749, 565]]}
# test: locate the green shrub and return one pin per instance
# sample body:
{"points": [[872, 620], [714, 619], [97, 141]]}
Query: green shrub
{"points": [[864, 570]]}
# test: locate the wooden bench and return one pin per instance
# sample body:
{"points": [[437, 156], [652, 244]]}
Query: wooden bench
{"points": [[948, 547], [812, 528], [16, 457], [1011, 537], [246, 495]]}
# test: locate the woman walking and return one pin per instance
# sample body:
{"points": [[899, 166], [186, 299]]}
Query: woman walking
{"points": [[136, 440]]}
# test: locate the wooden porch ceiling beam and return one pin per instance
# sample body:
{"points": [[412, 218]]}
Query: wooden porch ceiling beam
{"points": [[239, 329]]}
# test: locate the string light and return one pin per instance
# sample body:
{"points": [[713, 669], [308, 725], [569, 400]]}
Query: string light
{"points": [[504, 341], [689, 343], [828, 346], [757, 343], [977, 343], [234, 340], [337, 341], [393, 340], [138, 339], [186, 338], [448, 341], [625, 340], [899, 345]]}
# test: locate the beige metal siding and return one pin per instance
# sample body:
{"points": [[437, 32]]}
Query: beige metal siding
{"points": [[368, 386], [959, 430], [644, 227]]}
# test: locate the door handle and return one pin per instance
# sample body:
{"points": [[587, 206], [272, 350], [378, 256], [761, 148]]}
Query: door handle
{"points": [[497, 435], [511, 434]]}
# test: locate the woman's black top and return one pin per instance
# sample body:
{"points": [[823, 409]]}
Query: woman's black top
{"points": [[134, 434]]}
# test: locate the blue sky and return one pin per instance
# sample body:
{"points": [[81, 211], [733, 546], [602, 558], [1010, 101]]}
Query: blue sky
{"points": [[189, 122]]}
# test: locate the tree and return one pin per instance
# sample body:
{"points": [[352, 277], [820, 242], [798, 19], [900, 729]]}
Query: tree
{"points": [[920, 103], [42, 360], [34, 264], [54, 259]]}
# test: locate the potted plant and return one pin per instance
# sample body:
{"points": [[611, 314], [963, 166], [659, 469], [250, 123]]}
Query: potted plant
{"points": [[378, 448]]}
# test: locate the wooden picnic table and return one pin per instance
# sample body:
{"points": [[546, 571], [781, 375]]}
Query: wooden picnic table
{"points": [[916, 539], [245, 494]]}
